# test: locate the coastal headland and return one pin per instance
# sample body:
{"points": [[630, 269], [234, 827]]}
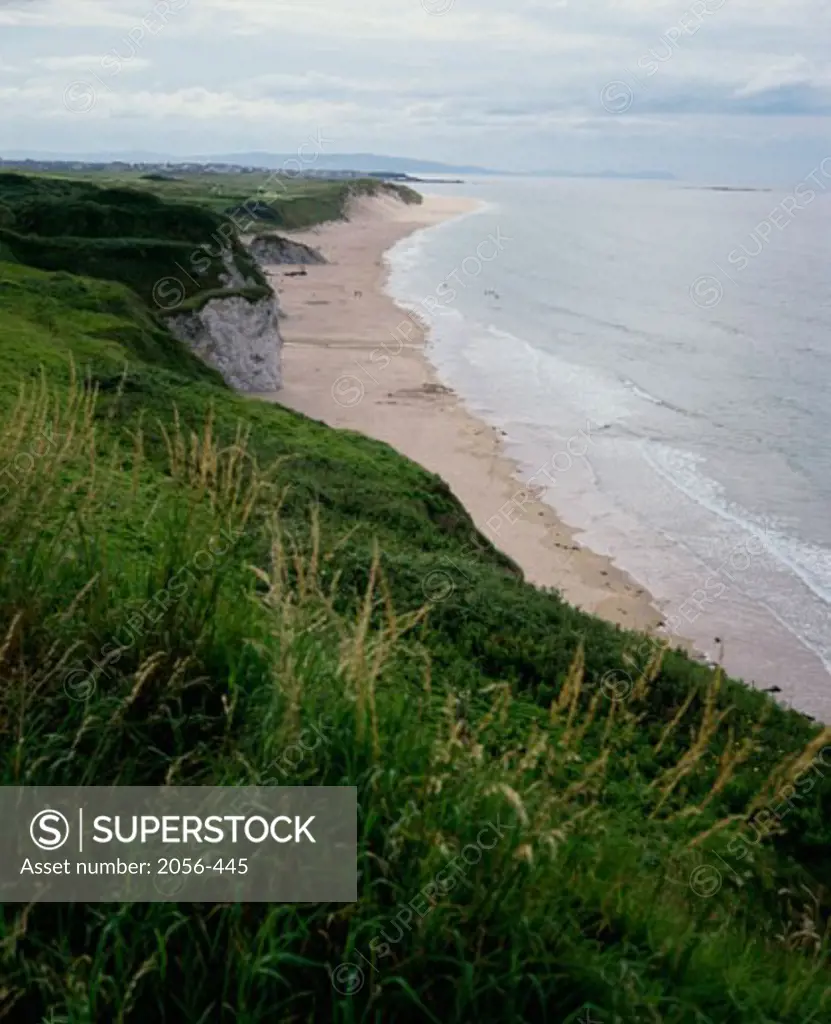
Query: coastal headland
{"points": [[555, 815]]}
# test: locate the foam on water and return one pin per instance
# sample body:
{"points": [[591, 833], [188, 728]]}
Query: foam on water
{"points": [[704, 437], [495, 369], [811, 563]]}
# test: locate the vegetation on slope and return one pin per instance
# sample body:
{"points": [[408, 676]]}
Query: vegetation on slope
{"points": [[167, 253], [282, 200], [640, 861], [175, 254]]}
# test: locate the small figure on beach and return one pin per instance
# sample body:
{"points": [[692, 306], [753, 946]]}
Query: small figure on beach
{"points": [[359, 295]]}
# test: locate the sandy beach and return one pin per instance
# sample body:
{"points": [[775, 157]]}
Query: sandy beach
{"points": [[354, 359]]}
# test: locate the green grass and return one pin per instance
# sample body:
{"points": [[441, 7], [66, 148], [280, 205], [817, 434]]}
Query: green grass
{"points": [[175, 243], [167, 253], [286, 202], [476, 714]]}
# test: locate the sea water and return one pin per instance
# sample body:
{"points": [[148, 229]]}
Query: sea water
{"points": [[687, 331]]}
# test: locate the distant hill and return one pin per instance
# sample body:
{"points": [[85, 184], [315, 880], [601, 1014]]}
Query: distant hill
{"points": [[347, 162], [323, 161], [361, 162]]}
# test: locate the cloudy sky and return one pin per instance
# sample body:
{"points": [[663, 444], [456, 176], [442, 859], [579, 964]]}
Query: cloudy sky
{"points": [[734, 90]]}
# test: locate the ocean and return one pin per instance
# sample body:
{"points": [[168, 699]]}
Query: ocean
{"points": [[687, 332]]}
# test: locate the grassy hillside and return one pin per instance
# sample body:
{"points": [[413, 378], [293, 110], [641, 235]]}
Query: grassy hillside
{"points": [[282, 201], [657, 834], [167, 253], [158, 240]]}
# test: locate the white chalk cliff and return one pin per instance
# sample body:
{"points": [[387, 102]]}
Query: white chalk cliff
{"points": [[236, 335]]}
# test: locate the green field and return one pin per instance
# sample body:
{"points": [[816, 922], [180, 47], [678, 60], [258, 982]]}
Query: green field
{"points": [[662, 831], [171, 242], [294, 202]]}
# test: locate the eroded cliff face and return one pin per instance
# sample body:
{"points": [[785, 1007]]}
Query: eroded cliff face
{"points": [[268, 250], [238, 337]]}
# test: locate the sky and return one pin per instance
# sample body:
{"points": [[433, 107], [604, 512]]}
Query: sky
{"points": [[720, 91]]}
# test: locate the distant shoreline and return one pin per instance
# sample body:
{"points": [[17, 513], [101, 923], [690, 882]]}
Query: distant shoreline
{"points": [[350, 363]]}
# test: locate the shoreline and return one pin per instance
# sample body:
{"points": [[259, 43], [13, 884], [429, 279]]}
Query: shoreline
{"points": [[355, 359]]}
